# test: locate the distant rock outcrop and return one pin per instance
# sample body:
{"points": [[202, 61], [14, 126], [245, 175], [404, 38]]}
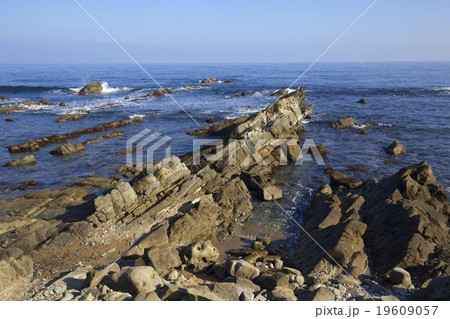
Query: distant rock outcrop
{"points": [[91, 88]]}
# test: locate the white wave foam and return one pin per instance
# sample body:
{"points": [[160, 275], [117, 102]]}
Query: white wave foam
{"points": [[106, 89], [262, 93], [383, 124], [360, 126], [136, 115], [305, 121]]}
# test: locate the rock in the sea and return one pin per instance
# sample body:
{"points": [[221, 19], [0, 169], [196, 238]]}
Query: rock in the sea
{"points": [[210, 80], [211, 120], [91, 88], [24, 160], [9, 119], [396, 148], [363, 101], [338, 178], [321, 149], [270, 192], [344, 123], [62, 104], [68, 149], [227, 81], [70, 117], [200, 251], [136, 280]]}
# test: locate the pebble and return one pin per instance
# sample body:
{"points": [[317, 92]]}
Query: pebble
{"points": [[172, 275], [278, 264]]}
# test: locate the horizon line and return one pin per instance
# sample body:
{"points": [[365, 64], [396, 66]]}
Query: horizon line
{"points": [[290, 62]]}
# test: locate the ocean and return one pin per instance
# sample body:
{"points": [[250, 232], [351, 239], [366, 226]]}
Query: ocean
{"points": [[409, 102]]}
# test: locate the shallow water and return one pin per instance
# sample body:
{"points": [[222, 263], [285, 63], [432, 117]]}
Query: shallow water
{"points": [[408, 102]]}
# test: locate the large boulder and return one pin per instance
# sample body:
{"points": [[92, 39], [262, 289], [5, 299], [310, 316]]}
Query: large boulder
{"points": [[163, 257], [136, 280], [200, 251], [407, 221], [333, 220], [91, 88]]}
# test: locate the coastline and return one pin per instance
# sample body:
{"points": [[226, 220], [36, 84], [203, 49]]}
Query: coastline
{"points": [[211, 201]]}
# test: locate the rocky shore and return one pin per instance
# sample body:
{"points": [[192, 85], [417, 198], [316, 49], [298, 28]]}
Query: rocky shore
{"points": [[154, 237]]}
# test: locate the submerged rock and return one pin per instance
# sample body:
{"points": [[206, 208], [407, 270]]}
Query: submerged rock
{"points": [[210, 80], [68, 149], [22, 161], [344, 123], [363, 101]]}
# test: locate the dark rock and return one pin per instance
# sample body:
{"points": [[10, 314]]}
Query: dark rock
{"points": [[344, 123], [401, 277], [211, 120], [321, 149], [227, 81], [127, 97], [62, 104], [363, 101], [396, 148], [9, 119], [340, 179], [328, 170], [34, 145], [240, 95], [362, 132], [70, 117], [407, 218], [91, 88], [357, 169]]}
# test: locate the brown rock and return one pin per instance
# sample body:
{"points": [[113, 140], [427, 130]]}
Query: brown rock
{"points": [[344, 123], [340, 179], [24, 160], [91, 88], [396, 148]]}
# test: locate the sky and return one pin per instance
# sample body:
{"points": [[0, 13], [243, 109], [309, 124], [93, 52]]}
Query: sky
{"points": [[58, 31]]}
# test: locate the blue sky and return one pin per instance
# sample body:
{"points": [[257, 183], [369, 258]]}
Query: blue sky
{"points": [[57, 31]]}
